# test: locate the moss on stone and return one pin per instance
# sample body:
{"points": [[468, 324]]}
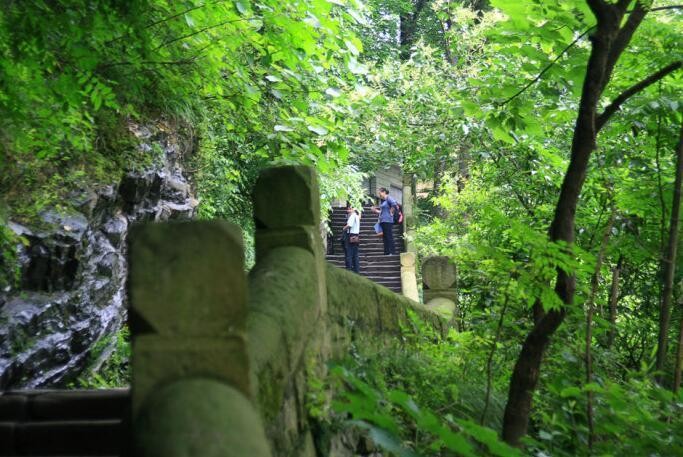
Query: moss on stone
{"points": [[199, 417], [187, 278], [284, 313], [365, 310], [287, 197], [158, 360]]}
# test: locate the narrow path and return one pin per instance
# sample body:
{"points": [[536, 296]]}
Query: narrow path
{"points": [[384, 270]]}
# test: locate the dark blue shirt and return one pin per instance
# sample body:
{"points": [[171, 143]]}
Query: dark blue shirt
{"points": [[385, 213]]}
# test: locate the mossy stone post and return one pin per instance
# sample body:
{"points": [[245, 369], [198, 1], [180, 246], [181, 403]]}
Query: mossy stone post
{"points": [[287, 213], [188, 310], [439, 278], [408, 276], [408, 213], [288, 283], [409, 258]]}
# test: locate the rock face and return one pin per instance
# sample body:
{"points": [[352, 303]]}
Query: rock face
{"points": [[72, 290]]}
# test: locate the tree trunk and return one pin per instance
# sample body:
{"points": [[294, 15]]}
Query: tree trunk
{"points": [[613, 299], [492, 352], [608, 41], [446, 31], [679, 353], [669, 266], [408, 28], [439, 171], [595, 282]]}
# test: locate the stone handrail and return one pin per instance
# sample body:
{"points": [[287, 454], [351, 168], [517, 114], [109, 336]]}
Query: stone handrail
{"points": [[218, 355]]}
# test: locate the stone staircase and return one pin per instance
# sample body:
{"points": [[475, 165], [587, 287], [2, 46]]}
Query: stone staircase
{"points": [[374, 265], [64, 423]]}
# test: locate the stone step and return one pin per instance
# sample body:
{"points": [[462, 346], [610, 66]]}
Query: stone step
{"points": [[367, 225], [371, 258], [368, 250], [378, 276], [364, 253], [371, 242], [370, 237], [367, 262], [367, 219], [341, 220], [62, 438], [367, 231], [390, 284], [385, 280], [375, 270], [342, 211]]}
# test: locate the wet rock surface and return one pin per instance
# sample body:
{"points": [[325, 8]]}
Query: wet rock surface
{"points": [[73, 275]]}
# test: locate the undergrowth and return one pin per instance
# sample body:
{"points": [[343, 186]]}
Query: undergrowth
{"points": [[115, 370]]}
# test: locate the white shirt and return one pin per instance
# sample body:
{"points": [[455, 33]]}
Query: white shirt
{"points": [[354, 223]]}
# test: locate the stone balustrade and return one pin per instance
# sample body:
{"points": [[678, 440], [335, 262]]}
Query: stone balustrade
{"points": [[221, 361], [439, 277]]}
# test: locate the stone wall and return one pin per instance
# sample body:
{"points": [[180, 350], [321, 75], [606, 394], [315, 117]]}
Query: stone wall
{"points": [[390, 178], [73, 271], [300, 314], [360, 311]]}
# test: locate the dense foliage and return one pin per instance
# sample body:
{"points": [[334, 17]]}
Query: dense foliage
{"points": [[256, 83], [488, 136], [478, 102]]}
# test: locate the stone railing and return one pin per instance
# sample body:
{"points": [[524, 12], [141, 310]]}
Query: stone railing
{"points": [[439, 278], [221, 361]]}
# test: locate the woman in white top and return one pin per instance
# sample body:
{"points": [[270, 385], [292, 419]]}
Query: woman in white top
{"points": [[352, 239]]}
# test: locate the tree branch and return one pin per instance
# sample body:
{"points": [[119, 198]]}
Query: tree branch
{"points": [[548, 67], [613, 107], [164, 19], [623, 36], [202, 30], [663, 8], [599, 8]]}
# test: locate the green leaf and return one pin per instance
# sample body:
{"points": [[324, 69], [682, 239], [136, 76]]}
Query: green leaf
{"points": [[242, 6], [333, 92], [355, 67], [572, 391], [317, 129], [283, 128], [502, 134], [545, 435]]}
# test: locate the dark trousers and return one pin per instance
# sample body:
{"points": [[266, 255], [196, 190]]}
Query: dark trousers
{"points": [[388, 238], [351, 251]]}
